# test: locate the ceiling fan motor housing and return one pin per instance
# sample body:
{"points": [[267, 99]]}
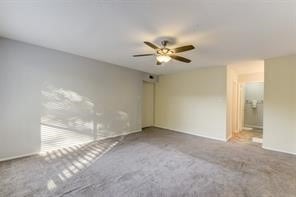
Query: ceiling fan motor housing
{"points": [[164, 51], [164, 43]]}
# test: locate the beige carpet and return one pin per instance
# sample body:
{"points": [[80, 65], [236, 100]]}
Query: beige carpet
{"points": [[155, 162]]}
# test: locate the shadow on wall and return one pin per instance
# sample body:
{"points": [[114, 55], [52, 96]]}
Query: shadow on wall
{"points": [[69, 119]]}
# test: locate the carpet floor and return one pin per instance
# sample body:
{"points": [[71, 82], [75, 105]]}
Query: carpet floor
{"points": [[155, 162]]}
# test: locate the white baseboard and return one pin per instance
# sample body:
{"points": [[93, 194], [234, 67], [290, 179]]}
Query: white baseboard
{"points": [[191, 133], [121, 134], [18, 156], [147, 127], [278, 150]]}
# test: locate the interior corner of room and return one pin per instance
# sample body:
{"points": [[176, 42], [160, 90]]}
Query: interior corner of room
{"points": [[225, 103]]}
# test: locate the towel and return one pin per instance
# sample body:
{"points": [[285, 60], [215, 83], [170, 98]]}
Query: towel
{"points": [[254, 104]]}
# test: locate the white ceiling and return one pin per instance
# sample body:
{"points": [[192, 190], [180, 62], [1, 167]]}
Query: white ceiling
{"points": [[224, 31]]}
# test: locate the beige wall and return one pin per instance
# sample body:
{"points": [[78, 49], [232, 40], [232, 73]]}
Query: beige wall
{"points": [[193, 102], [252, 77], [48, 97], [148, 105], [280, 104]]}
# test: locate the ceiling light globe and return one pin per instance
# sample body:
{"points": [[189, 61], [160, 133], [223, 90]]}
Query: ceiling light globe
{"points": [[163, 58]]}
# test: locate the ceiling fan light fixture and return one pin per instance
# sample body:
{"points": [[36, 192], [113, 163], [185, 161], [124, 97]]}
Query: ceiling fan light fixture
{"points": [[163, 58], [164, 55]]}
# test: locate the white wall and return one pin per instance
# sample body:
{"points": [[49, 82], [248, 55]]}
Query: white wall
{"points": [[280, 104], [193, 102], [45, 92], [148, 105]]}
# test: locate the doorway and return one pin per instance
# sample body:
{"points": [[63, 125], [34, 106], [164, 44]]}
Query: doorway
{"points": [[148, 105], [245, 102], [251, 112]]}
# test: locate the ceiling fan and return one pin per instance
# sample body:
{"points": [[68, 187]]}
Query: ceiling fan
{"points": [[164, 54]]}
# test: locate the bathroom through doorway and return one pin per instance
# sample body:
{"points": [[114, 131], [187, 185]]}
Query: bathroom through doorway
{"points": [[246, 102]]}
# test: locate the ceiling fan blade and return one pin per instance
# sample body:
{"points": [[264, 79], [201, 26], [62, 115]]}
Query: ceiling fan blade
{"points": [[140, 55], [158, 63], [179, 58], [151, 45], [184, 48]]}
